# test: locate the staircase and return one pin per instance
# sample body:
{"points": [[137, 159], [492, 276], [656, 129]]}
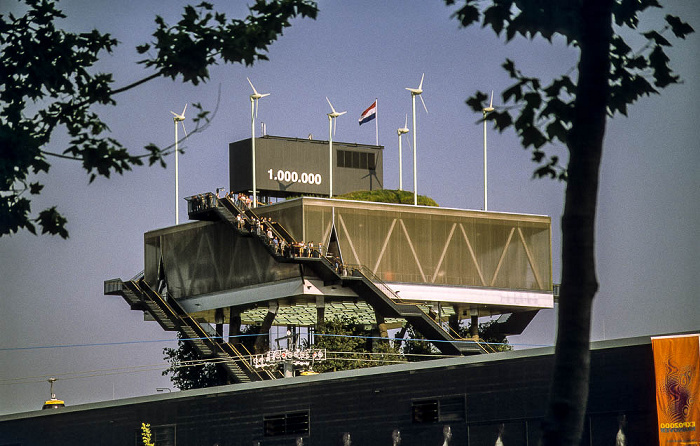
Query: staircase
{"points": [[171, 316], [362, 281]]}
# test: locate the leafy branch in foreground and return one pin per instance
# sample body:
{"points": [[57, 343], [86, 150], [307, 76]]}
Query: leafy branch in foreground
{"points": [[574, 113], [48, 83]]}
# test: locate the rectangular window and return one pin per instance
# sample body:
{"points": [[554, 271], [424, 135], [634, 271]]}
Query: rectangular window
{"points": [[292, 423], [356, 160], [448, 409], [371, 163], [363, 160], [163, 435], [425, 411]]}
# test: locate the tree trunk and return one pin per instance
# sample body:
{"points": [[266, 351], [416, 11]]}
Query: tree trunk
{"points": [[568, 397]]}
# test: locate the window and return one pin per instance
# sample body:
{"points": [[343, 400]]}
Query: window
{"points": [[448, 409], [292, 423], [163, 435], [356, 160], [425, 411]]}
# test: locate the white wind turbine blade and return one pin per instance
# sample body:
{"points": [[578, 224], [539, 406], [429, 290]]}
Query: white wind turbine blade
{"points": [[329, 103], [255, 92], [183, 127], [421, 99], [180, 117], [420, 87], [490, 107], [404, 129]]}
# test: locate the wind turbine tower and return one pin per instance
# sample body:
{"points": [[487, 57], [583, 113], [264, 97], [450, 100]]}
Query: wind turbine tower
{"points": [[178, 118], [254, 114], [416, 92], [400, 132], [331, 131], [486, 111]]}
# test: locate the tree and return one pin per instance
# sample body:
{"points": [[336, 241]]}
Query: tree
{"points": [[611, 76], [189, 371], [490, 334], [345, 335], [48, 83]]}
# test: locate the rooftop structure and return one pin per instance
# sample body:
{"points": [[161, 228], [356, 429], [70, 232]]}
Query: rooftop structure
{"points": [[305, 260]]}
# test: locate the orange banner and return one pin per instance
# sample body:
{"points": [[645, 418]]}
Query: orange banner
{"points": [[677, 366]]}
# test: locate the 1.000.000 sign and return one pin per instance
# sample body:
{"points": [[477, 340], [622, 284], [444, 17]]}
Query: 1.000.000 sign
{"points": [[294, 177]]}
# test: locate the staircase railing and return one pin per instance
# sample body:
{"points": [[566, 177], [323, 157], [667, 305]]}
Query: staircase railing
{"points": [[281, 233]]}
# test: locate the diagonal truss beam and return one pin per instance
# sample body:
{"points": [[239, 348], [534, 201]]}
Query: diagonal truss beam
{"points": [[444, 251], [413, 250], [472, 254], [386, 243]]}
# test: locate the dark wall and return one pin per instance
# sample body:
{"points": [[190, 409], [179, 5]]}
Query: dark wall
{"points": [[476, 399], [290, 166]]}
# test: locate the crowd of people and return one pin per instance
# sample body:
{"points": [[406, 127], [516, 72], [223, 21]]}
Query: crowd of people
{"points": [[263, 228]]}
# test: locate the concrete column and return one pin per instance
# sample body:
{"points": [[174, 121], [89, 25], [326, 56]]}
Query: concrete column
{"points": [[320, 311], [262, 341], [234, 326], [219, 327], [474, 329]]}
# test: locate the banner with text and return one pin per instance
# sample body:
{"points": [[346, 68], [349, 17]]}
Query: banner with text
{"points": [[676, 366]]}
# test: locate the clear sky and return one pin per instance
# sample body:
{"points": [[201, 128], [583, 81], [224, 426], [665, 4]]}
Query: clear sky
{"points": [[51, 290]]}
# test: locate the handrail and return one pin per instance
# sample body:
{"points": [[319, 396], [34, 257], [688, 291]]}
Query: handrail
{"points": [[379, 283], [189, 321], [271, 225], [353, 269]]}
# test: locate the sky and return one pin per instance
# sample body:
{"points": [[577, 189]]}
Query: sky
{"points": [[56, 321]]}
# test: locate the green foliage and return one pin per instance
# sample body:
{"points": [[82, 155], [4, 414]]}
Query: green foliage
{"points": [[146, 434], [388, 196], [187, 369], [489, 333], [48, 83], [347, 336], [542, 115], [416, 347]]}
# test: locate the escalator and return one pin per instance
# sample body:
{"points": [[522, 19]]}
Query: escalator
{"points": [[360, 280], [171, 316]]}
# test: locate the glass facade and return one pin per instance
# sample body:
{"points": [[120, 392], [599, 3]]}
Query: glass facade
{"points": [[205, 257], [398, 243], [427, 245]]}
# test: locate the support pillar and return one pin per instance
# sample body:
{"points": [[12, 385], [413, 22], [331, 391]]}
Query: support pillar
{"points": [[454, 322], [219, 327], [234, 326], [320, 312], [474, 329], [382, 330], [262, 341]]}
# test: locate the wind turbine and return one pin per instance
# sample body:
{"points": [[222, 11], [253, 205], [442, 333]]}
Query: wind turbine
{"points": [[416, 92], [178, 118], [486, 110], [400, 132], [331, 131], [254, 114]]}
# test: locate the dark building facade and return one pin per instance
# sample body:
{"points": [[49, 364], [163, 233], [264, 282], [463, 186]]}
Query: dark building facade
{"points": [[463, 401], [292, 166]]}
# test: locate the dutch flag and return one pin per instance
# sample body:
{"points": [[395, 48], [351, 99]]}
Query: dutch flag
{"points": [[369, 114]]}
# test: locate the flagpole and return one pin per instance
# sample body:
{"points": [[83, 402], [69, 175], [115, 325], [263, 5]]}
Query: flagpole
{"points": [[376, 121]]}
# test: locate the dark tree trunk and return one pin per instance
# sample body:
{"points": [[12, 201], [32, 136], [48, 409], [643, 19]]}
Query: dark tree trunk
{"points": [[563, 424]]}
